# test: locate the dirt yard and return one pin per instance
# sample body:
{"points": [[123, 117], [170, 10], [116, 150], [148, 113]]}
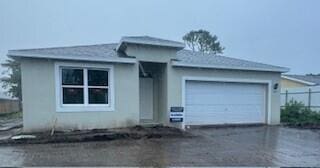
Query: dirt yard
{"points": [[238, 146], [10, 124]]}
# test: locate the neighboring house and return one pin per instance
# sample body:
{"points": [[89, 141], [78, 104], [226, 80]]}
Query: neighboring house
{"points": [[137, 81], [309, 96], [297, 81], [301, 88], [8, 104]]}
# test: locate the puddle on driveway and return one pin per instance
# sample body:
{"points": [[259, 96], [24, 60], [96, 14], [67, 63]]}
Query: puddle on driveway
{"points": [[252, 146]]}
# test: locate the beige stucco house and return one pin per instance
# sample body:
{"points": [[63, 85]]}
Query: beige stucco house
{"points": [[143, 80], [298, 81]]}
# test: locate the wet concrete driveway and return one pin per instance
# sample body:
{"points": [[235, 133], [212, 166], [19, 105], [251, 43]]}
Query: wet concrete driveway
{"points": [[251, 146]]}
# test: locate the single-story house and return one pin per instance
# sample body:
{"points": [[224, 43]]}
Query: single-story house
{"points": [[297, 81], [142, 80]]}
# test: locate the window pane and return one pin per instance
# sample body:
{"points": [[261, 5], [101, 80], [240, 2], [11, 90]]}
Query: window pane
{"points": [[98, 96], [72, 77], [73, 96], [97, 78]]}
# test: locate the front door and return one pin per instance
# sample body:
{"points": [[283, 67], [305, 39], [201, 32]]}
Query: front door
{"points": [[146, 98]]}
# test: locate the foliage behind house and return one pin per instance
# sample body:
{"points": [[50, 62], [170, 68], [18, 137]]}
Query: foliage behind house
{"points": [[297, 114]]}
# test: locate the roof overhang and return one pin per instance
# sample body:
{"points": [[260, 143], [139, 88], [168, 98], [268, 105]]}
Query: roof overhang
{"points": [[125, 41], [298, 80], [181, 64], [17, 54]]}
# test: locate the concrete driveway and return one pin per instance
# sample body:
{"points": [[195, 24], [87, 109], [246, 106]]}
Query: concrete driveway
{"points": [[251, 146]]}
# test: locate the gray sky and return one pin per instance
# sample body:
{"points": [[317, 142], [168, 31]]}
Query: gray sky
{"points": [[279, 32]]}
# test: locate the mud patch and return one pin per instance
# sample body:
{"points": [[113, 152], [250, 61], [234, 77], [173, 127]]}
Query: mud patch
{"points": [[303, 126], [308, 127], [137, 132]]}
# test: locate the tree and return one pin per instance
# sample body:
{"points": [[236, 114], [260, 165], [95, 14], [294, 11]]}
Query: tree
{"points": [[203, 41], [12, 82], [312, 74]]}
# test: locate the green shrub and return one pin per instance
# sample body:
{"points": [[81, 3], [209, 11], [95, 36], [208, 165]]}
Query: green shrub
{"points": [[296, 113], [13, 115]]}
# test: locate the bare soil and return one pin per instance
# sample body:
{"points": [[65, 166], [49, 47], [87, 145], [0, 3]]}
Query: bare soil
{"points": [[302, 126], [10, 124], [137, 132]]}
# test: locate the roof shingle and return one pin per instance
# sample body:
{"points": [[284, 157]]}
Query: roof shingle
{"points": [[189, 58], [109, 53], [100, 52]]}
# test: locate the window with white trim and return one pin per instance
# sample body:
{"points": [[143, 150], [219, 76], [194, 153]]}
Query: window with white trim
{"points": [[84, 88]]}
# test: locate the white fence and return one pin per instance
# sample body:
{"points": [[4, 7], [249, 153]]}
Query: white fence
{"points": [[310, 96]]}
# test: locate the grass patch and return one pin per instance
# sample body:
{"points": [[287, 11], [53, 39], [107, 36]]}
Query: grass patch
{"points": [[12, 115], [296, 114]]}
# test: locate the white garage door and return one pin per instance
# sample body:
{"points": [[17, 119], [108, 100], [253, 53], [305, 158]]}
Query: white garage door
{"points": [[224, 103]]}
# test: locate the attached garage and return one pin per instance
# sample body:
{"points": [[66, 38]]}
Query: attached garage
{"points": [[225, 102], [146, 80]]}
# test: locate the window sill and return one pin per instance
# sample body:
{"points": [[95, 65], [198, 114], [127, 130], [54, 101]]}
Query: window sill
{"points": [[92, 108]]}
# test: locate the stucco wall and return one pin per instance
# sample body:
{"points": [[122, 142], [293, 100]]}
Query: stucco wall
{"points": [[39, 104], [151, 54], [175, 75], [285, 83], [38, 82], [156, 55], [163, 106]]}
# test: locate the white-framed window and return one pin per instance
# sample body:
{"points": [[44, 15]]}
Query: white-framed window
{"points": [[84, 87]]}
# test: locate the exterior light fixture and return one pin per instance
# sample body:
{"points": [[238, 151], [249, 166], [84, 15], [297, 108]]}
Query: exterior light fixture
{"points": [[275, 86]]}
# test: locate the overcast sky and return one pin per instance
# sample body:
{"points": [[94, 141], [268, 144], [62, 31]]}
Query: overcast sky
{"points": [[279, 32]]}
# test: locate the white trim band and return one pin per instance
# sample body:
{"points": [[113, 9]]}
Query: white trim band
{"points": [[180, 64], [59, 57]]}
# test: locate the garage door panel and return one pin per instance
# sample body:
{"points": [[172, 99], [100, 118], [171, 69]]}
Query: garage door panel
{"points": [[217, 99], [225, 120], [224, 103], [234, 111], [198, 87]]}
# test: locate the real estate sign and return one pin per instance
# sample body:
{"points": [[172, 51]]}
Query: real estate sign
{"points": [[176, 114]]}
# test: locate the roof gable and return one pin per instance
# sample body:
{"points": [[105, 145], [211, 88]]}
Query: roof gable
{"points": [[147, 40]]}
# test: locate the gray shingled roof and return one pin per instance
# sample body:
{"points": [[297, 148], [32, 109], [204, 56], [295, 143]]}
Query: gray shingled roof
{"points": [[101, 52], [147, 40], [108, 53], [308, 78], [198, 59]]}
